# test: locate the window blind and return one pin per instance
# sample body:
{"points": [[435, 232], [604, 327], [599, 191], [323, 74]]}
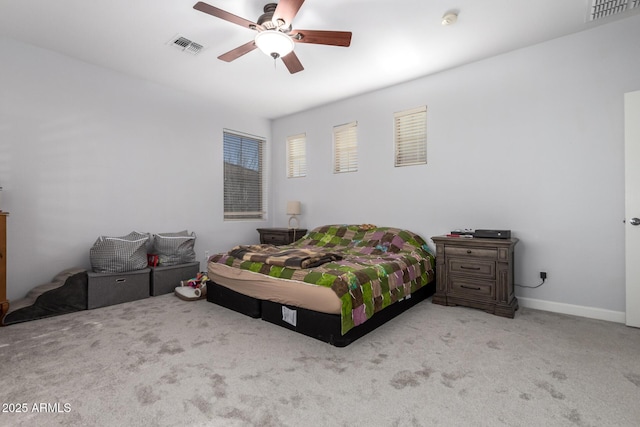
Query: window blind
{"points": [[244, 183], [297, 156], [410, 137], [604, 8], [345, 148]]}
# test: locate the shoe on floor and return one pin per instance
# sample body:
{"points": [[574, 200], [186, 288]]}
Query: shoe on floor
{"points": [[188, 293]]}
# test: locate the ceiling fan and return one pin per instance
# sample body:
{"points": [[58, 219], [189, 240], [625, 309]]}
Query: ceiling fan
{"points": [[275, 35]]}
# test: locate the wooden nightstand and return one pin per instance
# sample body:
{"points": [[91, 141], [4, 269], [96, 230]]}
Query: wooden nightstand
{"points": [[4, 303], [476, 273], [280, 236]]}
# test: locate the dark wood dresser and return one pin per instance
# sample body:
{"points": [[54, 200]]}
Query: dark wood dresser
{"points": [[280, 236], [476, 273], [4, 303]]}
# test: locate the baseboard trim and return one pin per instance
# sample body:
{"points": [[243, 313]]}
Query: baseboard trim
{"points": [[575, 310]]}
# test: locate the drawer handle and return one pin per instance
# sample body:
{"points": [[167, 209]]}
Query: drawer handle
{"points": [[469, 268], [469, 251], [121, 280], [470, 287]]}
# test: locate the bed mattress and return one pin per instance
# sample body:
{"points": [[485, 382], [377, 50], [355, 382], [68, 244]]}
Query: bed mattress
{"points": [[283, 291], [352, 271]]}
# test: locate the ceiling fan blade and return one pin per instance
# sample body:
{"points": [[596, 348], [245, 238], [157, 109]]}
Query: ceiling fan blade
{"points": [[286, 11], [238, 52], [332, 38], [222, 14], [292, 63]]}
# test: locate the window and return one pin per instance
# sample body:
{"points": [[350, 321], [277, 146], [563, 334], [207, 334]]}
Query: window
{"points": [[297, 156], [345, 148], [244, 182], [410, 137]]}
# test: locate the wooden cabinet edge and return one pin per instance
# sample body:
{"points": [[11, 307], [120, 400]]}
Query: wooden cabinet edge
{"points": [[4, 302]]}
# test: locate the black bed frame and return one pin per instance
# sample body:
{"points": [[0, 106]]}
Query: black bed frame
{"points": [[322, 326]]}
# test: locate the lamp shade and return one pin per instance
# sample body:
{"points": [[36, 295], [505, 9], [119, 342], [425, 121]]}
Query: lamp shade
{"points": [[274, 43], [293, 208]]}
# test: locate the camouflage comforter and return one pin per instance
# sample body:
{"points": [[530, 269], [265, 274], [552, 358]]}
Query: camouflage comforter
{"points": [[369, 268]]}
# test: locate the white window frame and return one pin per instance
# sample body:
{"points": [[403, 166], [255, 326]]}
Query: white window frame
{"points": [[410, 137], [297, 156], [345, 148], [240, 164]]}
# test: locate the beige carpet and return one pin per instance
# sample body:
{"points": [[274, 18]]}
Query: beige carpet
{"points": [[167, 362]]}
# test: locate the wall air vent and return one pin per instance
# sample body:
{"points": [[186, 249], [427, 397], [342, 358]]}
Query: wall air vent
{"points": [[603, 8], [186, 45]]}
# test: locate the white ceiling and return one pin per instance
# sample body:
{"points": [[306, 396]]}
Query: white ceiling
{"points": [[393, 41]]}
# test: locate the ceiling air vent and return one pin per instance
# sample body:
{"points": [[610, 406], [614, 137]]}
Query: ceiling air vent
{"points": [[186, 45], [603, 8]]}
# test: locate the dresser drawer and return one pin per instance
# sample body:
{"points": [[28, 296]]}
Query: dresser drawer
{"points": [[280, 236], [473, 267], [274, 238], [476, 289], [471, 252]]}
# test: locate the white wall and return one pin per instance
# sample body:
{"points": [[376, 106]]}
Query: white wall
{"points": [[85, 152], [530, 141]]}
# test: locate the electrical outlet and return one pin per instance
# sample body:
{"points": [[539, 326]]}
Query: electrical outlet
{"points": [[543, 275]]}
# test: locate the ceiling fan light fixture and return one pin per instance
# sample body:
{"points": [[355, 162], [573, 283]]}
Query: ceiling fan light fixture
{"points": [[274, 43], [450, 18]]}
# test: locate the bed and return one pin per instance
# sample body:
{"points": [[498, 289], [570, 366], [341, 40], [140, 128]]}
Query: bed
{"points": [[336, 283]]}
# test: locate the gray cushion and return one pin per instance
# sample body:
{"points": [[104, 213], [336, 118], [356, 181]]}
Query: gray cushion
{"points": [[174, 248]]}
